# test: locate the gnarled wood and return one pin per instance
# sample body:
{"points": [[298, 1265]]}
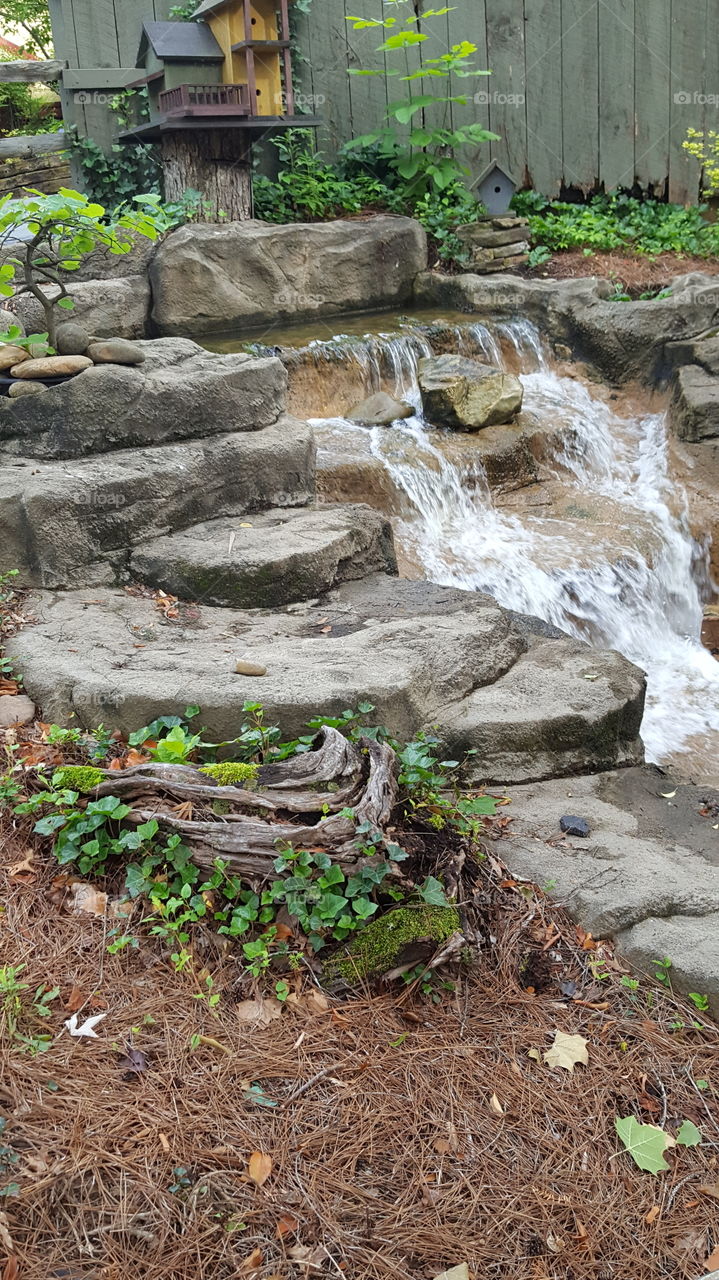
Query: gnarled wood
{"points": [[249, 841], [40, 144], [30, 72]]}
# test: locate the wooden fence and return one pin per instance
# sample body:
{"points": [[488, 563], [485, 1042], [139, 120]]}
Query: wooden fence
{"points": [[582, 93]]}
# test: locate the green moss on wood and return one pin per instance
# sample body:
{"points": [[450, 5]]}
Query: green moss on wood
{"points": [[79, 777], [231, 773], [377, 948]]}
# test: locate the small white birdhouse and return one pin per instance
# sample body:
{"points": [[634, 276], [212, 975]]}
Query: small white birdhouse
{"points": [[495, 188]]}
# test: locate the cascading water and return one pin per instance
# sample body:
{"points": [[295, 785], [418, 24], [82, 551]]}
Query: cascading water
{"points": [[599, 582]]}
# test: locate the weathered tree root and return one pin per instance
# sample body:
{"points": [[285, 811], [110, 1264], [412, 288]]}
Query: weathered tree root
{"points": [[336, 774]]}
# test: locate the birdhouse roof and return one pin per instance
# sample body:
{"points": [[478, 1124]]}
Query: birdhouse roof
{"points": [[208, 6], [493, 168], [180, 41]]}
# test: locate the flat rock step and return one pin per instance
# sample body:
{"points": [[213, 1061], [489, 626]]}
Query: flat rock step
{"points": [[424, 655], [268, 559]]}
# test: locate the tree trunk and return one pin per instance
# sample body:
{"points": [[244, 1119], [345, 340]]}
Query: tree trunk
{"points": [[215, 162]]}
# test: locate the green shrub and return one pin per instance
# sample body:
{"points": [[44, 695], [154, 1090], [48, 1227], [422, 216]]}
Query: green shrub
{"points": [[618, 222]]}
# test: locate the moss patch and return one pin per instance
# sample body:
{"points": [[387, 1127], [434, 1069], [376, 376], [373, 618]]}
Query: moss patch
{"points": [[231, 773], [79, 777], [377, 948]]}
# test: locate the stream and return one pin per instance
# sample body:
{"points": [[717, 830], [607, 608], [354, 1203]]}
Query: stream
{"points": [[601, 546]]}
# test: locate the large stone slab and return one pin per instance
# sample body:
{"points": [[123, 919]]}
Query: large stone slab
{"points": [[240, 275], [694, 407], [563, 708], [180, 391], [423, 655], [276, 558], [70, 524], [114, 308], [647, 875]]}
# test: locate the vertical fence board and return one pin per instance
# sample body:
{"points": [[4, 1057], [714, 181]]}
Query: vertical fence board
{"points": [[543, 77], [686, 91], [467, 21], [368, 94], [330, 60], [652, 92], [616, 93], [580, 93], [507, 109]]}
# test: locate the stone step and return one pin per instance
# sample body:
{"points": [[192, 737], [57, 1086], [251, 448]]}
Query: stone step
{"points": [[271, 559], [74, 524], [179, 392], [423, 655]]}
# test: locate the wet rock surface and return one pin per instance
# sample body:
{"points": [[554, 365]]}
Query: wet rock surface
{"points": [[380, 410], [465, 394], [647, 875]]}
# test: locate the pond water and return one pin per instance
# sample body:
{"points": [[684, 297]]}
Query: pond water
{"points": [[600, 546]]}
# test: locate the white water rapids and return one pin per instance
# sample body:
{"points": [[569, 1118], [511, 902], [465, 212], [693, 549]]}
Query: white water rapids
{"points": [[640, 595]]}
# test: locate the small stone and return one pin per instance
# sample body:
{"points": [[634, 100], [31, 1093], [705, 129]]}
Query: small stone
{"points": [[20, 389], [244, 668], [72, 339], [562, 352], [115, 351], [572, 826], [11, 355], [380, 410], [8, 320], [16, 709], [51, 367]]}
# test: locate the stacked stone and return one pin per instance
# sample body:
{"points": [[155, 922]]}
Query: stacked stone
{"points": [[496, 244]]}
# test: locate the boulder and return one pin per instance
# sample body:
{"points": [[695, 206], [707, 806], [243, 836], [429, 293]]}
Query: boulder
{"points": [[694, 406], [206, 278], [380, 410], [7, 320], [72, 339], [18, 390], [16, 709], [421, 653], [116, 308], [466, 394], [548, 303], [275, 558], [11, 356], [172, 395], [75, 525], [51, 367], [116, 351]]}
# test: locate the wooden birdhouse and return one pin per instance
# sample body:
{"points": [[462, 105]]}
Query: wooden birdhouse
{"points": [[214, 85], [495, 188]]}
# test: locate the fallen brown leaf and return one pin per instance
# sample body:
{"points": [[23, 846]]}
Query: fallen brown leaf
{"points": [[287, 1225], [75, 1000], [653, 1214], [252, 1263], [5, 1238], [260, 1167], [260, 1012], [712, 1190], [10, 1270], [712, 1261]]}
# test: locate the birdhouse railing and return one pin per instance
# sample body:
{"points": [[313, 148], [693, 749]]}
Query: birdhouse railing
{"points": [[206, 100]]}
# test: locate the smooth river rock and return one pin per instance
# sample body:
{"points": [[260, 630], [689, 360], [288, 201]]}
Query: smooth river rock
{"points": [[465, 394], [18, 390], [51, 367], [116, 351], [11, 356], [72, 339], [380, 410]]}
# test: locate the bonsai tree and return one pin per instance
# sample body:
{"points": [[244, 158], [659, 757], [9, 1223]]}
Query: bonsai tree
{"points": [[50, 236]]}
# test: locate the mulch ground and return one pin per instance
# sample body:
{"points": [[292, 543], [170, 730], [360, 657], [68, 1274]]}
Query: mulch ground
{"points": [[397, 1137], [636, 273]]}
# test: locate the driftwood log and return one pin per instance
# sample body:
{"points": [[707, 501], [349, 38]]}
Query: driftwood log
{"points": [[334, 775]]}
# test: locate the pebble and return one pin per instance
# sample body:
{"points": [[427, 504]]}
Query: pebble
{"points": [[574, 826], [19, 389], [115, 351], [51, 367], [10, 355], [16, 709], [244, 668]]}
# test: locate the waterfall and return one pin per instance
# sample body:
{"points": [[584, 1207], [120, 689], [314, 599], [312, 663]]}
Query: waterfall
{"points": [[624, 581]]}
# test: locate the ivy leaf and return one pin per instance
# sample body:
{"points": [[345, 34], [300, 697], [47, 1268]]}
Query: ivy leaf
{"points": [[567, 1051], [433, 893], [645, 1143], [689, 1135]]}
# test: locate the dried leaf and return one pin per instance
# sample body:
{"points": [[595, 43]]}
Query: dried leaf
{"points": [[567, 1051], [87, 1028], [10, 1270], [260, 1012], [5, 1238], [75, 1000], [495, 1105], [260, 1167], [252, 1263], [645, 1143], [667, 795], [712, 1190], [132, 1060], [712, 1261], [455, 1273], [653, 1214], [287, 1225], [534, 1054]]}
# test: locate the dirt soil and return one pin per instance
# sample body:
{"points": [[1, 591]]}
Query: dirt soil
{"points": [[636, 273], [400, 1136]]}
